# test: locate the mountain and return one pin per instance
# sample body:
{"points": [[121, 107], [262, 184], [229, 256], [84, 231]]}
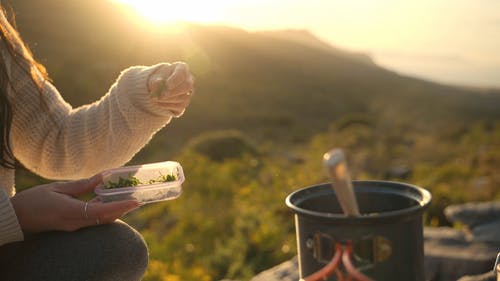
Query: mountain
{"points": [[283, 86]]}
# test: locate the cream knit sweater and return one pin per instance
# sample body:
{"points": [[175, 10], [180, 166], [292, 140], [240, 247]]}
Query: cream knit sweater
{"points": [[64, 143]]}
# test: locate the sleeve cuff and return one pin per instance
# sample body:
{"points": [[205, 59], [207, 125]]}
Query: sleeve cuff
{"points": [[10, 230]]}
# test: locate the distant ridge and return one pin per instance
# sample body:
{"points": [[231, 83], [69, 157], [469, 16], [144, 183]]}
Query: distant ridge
{"points": [[305, 37], [283, 86]]}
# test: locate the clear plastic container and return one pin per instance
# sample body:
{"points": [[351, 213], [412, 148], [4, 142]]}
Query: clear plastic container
{"points": [[145, 183]]}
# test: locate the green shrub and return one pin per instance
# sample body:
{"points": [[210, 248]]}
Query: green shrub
{"points": [[221, 145]]}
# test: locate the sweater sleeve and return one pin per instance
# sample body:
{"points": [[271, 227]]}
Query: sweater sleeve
{"points": [[56, 141], [10, 230]]}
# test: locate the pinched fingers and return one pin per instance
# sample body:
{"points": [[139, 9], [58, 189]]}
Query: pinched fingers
{"points": [[171, 81], [157, 86], [157, 81], [177, 108], [178, 98], [186, 87], [161, 73], [179, 76]]}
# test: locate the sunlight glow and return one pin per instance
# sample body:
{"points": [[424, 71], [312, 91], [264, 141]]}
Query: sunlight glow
{"points": [[168, 12], [398, 34]]}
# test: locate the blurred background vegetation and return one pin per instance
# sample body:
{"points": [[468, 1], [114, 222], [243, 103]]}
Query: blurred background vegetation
{"points": [[268, 105]]}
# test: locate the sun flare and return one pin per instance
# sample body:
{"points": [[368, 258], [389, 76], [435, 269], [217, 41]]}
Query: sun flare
{"points": [[166, 12]]}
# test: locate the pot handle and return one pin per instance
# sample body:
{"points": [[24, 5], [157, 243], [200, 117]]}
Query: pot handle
{"points": [[349, 267], [343, 253], [328, 269]]}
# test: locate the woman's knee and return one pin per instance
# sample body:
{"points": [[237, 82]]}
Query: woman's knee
{"points": [[125, 250], [110, 252]]}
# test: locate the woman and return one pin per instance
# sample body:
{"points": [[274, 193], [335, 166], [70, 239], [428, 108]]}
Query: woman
{"points": [[46, 233]]}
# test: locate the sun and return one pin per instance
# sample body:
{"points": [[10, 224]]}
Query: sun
{"points": [[167, 12]]}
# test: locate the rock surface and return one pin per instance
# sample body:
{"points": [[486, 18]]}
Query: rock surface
{"points": [[482, 220], [449, 255], [287, 271], [473, 214]]}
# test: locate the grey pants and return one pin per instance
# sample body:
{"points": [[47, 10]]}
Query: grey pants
{"points": [[104, 253]]}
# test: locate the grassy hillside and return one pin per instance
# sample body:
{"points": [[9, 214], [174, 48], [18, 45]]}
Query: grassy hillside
{"points": [[268, 105]]}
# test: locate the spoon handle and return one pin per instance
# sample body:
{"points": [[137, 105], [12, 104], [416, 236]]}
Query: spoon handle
{"points": [[334, 161]]}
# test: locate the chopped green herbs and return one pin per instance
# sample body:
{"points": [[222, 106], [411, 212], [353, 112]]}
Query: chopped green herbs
{"points": [[163, 178], [133, 181]]}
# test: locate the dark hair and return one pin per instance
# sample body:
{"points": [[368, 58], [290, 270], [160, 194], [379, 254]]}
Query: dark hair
{"points": [[23, 57]]}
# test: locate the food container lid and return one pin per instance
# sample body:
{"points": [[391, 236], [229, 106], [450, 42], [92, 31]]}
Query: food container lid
{"points": [[151, 176]]}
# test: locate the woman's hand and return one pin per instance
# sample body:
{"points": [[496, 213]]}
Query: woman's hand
{"points": [[54, 207], [172, 86]]}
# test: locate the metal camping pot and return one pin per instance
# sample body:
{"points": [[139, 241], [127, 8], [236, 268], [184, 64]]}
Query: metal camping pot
{"points": [[386, 240]]}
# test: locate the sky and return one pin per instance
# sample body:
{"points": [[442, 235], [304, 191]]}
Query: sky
{"points": [[447, 41]]}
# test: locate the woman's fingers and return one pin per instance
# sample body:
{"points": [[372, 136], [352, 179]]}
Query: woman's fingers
{"points": [[54, 207], [157, 86], [177, 98], [74, 214], [184, 91], [171, 87], [170, 81], [177, 109], [180, 74], [186, 87], [78, 187], [101, 213], [174, 106]]}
